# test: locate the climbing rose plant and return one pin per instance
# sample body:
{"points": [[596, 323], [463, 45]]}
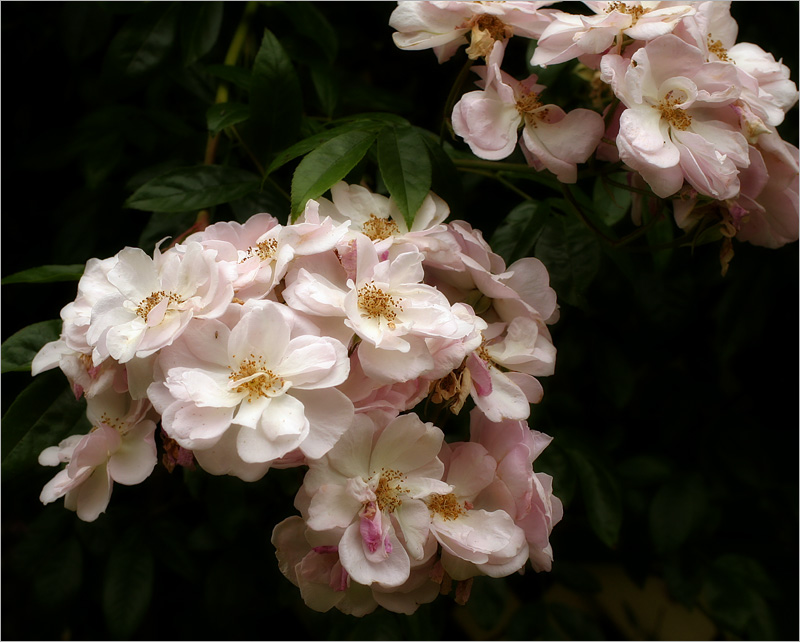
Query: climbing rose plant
{"points": [[342, 337]]}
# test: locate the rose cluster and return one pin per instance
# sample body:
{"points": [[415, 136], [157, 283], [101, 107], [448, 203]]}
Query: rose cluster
{"points": [[262, 345], [689, 111]]}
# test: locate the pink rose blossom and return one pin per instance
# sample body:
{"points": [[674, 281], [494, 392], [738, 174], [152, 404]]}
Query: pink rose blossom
{"points": [[524, 494], [153, 299], [444, 26], [679, 124], [253, 393], [120, 448], [571, 36], [552, 139], [371, 488]]}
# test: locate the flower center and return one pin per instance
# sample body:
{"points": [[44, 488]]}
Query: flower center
{"points": [[264, 250], [378, 229], [495, 27], [446, 505], [486, 30], [483, 353], [715, 47], [376, 304], [255, 379], [147, 304], [531, 109], [674, 115], [390, 487], [635, 12]]}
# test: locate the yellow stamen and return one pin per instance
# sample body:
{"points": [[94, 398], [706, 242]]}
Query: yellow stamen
{"points": [[390, 486], [674, 115], [635, 12], [265, 384], [376, 304], [264, 250], [378, 229], [147, 304], [446, 505], [716, 47]]}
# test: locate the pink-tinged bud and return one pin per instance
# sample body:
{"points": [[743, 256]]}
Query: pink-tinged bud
{"points": [[463, 590], [370, 527], [339, 576], [322, 550], [479, 372]]}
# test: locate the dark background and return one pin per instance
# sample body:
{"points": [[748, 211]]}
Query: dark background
{"points": [[681, 384]]}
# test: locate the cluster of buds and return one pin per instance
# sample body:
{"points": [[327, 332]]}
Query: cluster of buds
{"points": [[690, 112], [261, 345]]}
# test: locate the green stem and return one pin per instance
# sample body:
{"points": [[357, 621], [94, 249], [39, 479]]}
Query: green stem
{"points": [[235, 48], [455, 90], [503, 181], [491, 165]]}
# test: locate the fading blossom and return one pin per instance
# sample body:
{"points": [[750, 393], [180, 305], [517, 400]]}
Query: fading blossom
{"points": [[488, 120], [446, 26]]}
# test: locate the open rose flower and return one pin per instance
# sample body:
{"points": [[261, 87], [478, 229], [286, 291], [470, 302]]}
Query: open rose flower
{"points": [[152, 300], [371, 485], [444, 26], [571, 36], [253, 393], [678, 124], [489, 120], [120, 448], [324, 583], [385, 304]]}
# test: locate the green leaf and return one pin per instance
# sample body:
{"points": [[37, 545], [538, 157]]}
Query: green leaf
{"points": [[84, 28], [312, 142], [601, 495], [610, 202], [327, 164], [238, 76], [678, 508], [145, 40], [59, 574], [128, 584], [387, 118], [517, 235], [310, 22], [42, 415], [193, 188], [46, 274], [555, 462], [446, 180], [575, 623], [276, 102], [327, 88], [222, 115], [20, 348], [162, 225], [745, 571], [200, 29], [572, 256], [405, 167], [644, 470]]}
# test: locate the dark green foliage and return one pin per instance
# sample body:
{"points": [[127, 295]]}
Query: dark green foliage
{"points": [[673, 407]]}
